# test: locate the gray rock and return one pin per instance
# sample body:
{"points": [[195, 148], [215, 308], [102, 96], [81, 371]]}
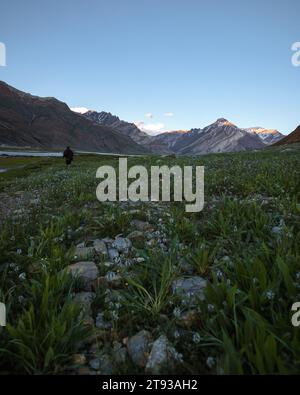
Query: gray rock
{"points": [[84, 253], [138, 347], [87, 271], [102, 364], [100, 247], [84, 299], [95, 363], [122, 244], [136, 235], [119, 353], [101, 323], [189, 288], [106, 367], [186, 267], [163, 357], [108, 240], [141, 225], [113, 253]]}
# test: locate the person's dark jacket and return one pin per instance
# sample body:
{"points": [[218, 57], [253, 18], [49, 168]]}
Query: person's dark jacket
{"points": [[68, 154]]}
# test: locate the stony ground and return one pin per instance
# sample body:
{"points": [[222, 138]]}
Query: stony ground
{"points": [[112, 288]]}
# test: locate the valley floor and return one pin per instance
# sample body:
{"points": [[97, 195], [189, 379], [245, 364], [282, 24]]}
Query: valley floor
{"points": [[161, 291]]}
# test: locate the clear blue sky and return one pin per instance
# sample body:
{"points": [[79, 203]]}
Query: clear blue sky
{"points": [[199, 59]]}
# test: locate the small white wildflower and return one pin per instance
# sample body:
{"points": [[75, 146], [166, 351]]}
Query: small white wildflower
{"points": [[255, 280], [19, 251], [21, 299], [177, 312], [176, 334], [178, 356], [196, 338], [14, 266], [270, 295], [210, 307], [219, 274], [22, 276], [210, 362], [115, 315], [298, 275]]}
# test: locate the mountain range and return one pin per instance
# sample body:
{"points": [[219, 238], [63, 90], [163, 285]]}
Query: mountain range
{"points": [[47, 123], [221, 136], [36, 122]]}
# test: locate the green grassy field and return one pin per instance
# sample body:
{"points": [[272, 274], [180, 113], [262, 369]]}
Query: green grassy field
{"points": [[245, 244]]}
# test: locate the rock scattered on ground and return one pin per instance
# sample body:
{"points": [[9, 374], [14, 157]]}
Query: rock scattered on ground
{"points": [[138, 347], [85, 270], [189, 289], [163, 357], [84, 253], [100, 247], [85, 300], [141, 225], [113, 253], [122, 245]]}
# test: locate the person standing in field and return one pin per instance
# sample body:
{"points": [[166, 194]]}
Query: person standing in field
{"points": [[68, 155]]}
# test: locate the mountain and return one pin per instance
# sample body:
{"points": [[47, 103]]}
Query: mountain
{"points": [[220, 136], [125, 128], [291, 138], [164, 143], [268, 136], [45, 122], [27, 120]]}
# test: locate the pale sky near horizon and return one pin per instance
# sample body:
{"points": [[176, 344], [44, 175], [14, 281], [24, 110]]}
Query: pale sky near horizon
{"points": [[169, 64]]}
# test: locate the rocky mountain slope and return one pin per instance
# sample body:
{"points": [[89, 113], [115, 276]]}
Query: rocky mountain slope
{"points": [[292, 138], [126, 128], [220, 136], [27, 120], [268, 136]]}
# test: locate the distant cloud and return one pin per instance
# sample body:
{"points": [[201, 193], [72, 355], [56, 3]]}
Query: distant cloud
{"points": [[80, 110], [169, 114], [150, 128], [149, 115]]}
